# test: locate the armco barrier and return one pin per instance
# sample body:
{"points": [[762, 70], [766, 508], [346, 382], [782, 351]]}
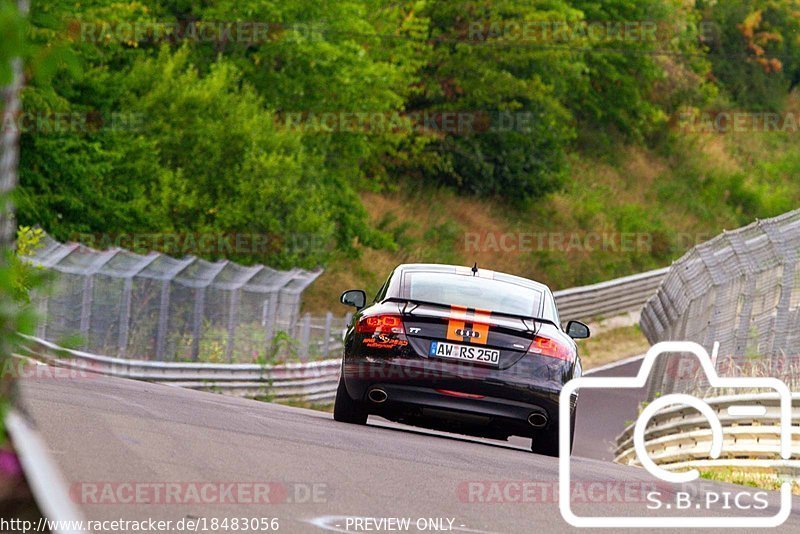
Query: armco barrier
{"points": [[313, 381], [680, 437], [609, 298]]}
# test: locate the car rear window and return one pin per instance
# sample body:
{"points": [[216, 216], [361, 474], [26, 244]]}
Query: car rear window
{"points": [[473, 292]]}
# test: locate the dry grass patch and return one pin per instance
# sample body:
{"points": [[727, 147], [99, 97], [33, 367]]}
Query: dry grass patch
{"points": [[612, 345], [769, 480]]}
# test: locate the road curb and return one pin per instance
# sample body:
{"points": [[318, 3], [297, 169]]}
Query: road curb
{"points": [[48, 485]]}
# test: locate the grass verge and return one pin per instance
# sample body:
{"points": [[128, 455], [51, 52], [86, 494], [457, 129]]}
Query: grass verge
{"points": [[612, 345], [767, 480]]}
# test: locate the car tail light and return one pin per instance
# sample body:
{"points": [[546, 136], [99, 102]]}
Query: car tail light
{"points": [[380, 324], [545, 346]]}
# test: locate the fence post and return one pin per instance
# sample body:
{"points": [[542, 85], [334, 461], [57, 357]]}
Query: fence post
{"points": [[125, 315], [42, 310], [268, 323], [86, 309], [788, 259], [326, 341], [232, 309], [347, 318], [305, 332], [197, 320], [163, 318]]}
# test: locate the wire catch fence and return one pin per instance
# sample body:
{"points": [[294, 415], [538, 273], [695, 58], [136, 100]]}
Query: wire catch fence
{"points": [[156, 307], [741, 289]]}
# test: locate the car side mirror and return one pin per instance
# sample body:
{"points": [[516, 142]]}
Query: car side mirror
{"points": [[354, 297], [577, 330]]}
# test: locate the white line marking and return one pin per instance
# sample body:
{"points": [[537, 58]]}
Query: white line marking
{"points": [[613, 364]]}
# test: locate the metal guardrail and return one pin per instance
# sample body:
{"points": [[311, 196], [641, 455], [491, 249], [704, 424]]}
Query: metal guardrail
{"points": [[679, 437], [313, 381], [609, 298]]}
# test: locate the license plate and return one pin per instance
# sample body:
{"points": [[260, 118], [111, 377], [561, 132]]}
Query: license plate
{"points": [[464, 352]]}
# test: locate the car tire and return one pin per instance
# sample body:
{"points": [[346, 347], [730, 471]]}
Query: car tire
{"points": [[545, 442], [345, 409]]}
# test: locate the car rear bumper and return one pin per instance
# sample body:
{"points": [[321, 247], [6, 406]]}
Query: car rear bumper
{"points": [[436, 393]]}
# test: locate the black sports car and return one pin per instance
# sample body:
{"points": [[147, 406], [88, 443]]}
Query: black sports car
{"points": [[460, 349]]}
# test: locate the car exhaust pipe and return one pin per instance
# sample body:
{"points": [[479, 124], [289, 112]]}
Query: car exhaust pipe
{"points": [[537, 420], [378, 396]]}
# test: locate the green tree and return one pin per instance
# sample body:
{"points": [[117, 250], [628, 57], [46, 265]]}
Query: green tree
{"points": [[523, 129], [633, 81], [228, 166], [755, 49]]}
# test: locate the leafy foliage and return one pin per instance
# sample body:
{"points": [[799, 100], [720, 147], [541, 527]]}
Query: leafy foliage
{"points": [[184, 134], [755, 49]]}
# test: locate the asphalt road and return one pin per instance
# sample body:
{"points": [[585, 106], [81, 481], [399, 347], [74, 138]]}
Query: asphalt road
{"points": [[105, 433], [603, 414]]}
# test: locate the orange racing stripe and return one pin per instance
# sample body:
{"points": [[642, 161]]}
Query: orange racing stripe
{"points": [[460, 316], [455, 323], [481, 325]]}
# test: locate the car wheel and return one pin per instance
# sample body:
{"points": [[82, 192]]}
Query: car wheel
{"points": [[546, 441], [345, 409]]}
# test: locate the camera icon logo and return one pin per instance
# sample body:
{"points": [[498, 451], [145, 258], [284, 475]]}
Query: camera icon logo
{"points": [[715, 451]]}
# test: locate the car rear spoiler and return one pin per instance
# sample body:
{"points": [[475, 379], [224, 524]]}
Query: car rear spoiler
{"points": [[416, 303]]}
